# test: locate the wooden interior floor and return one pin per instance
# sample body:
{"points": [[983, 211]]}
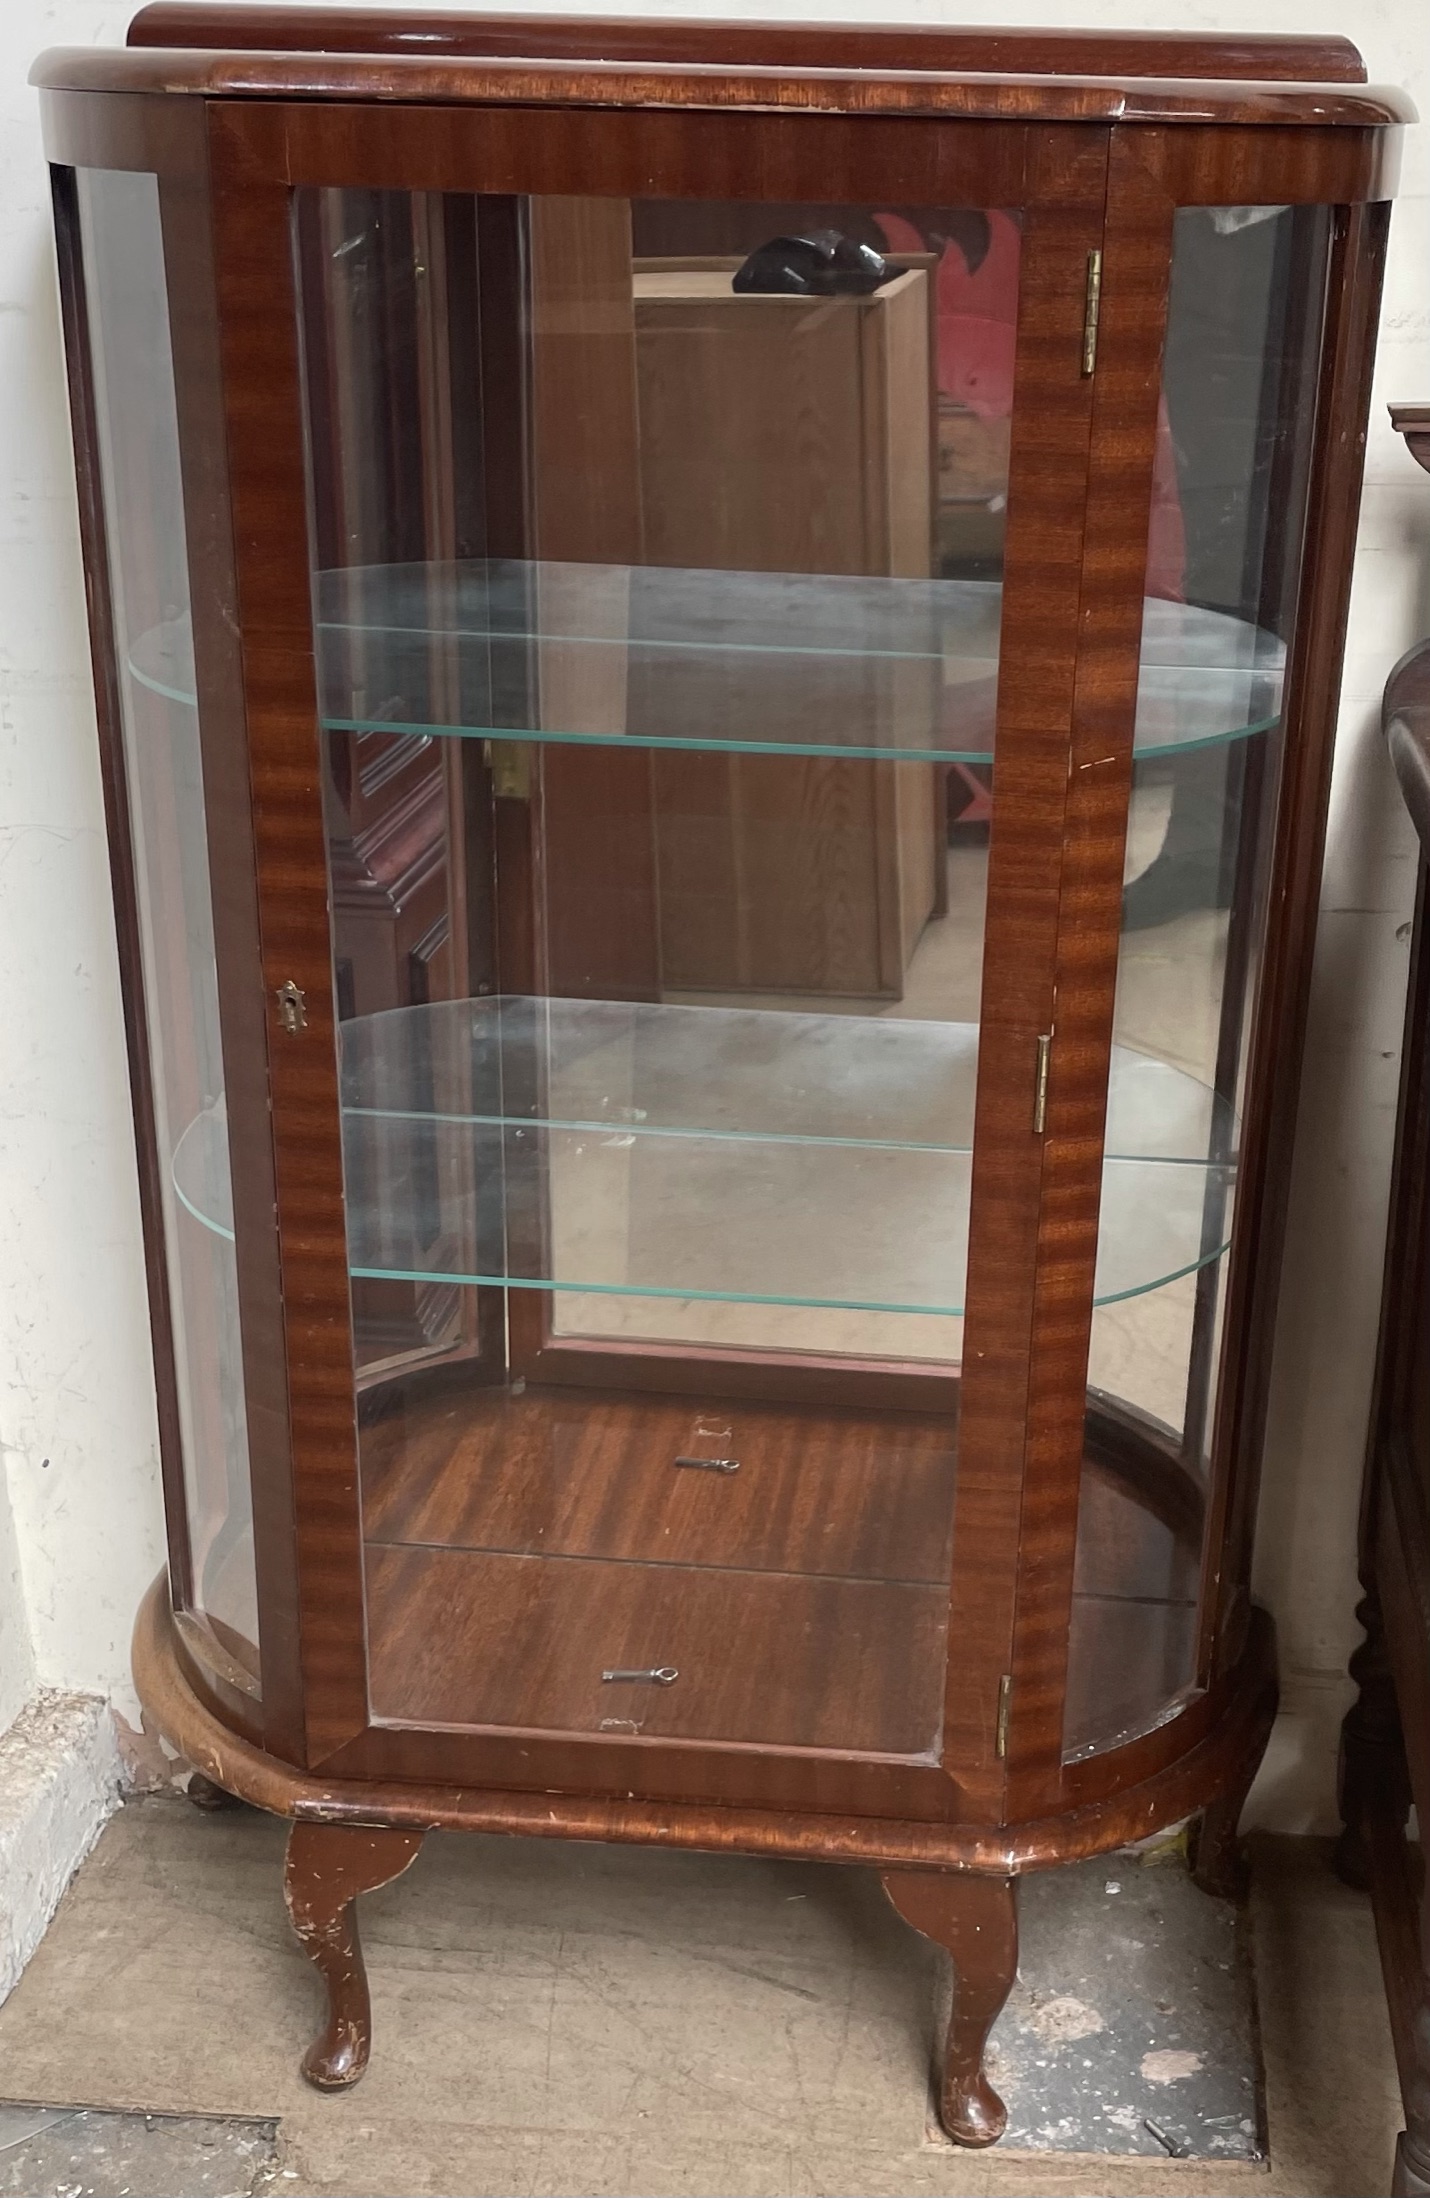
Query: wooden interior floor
{"points": [[520, 1545]]}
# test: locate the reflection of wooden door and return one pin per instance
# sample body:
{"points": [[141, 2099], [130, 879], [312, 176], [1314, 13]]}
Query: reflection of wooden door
{"points": [[787, 434], [388, 862], [599, 930], [387, 355]]}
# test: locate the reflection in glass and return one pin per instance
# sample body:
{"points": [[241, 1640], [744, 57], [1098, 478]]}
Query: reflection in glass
{"points": [[1242, 342], [138, 440], [657, 583]]}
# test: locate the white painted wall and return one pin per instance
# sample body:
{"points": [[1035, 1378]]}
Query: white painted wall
{"points": [[78, 1444], [77, 1429]]}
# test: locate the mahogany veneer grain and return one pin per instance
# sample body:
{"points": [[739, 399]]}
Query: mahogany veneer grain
{"points": [[576, 1472], [519, 1544], [778, 45], [1236, 1734], [471, 1637]]}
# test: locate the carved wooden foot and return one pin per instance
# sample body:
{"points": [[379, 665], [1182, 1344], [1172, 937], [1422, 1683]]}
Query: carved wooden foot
{"points": [[328, 1866], [1372, 1773], [1218, 1859], [205, 1795], [976, 1919]]}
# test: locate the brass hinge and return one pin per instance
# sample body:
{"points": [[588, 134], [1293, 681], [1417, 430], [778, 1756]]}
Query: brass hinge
{"points": [[1000, 1736], [1092, 307], [510, 762], [1040, 1083]]}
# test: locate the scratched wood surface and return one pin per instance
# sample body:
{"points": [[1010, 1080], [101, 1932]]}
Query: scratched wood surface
{"points": [[889, 89]]}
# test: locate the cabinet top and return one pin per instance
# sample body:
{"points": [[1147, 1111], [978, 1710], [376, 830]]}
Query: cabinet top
{"points": [[198, 47]]}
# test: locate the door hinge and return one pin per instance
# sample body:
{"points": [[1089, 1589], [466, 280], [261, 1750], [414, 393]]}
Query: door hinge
{"points": [[1000, 1736], [510, 762], [1040, 1083], [1092, 308]]}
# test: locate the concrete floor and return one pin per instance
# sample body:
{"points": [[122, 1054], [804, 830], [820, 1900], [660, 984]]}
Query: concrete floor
{"points": [[556, 2019]]}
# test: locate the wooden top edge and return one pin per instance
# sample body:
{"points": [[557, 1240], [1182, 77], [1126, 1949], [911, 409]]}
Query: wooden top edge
{"points": [[1253, 57], [219, 73]]}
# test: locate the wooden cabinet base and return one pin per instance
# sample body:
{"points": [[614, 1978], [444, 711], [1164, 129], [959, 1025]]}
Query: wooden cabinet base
{"points": [[955, 1883]]}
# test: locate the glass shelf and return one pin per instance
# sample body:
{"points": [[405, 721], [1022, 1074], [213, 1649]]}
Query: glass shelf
{"points": [[713, 1154], [759, 663]]}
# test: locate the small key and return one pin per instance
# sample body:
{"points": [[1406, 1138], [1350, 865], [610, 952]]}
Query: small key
{"points": [[711, 1465], [664, 1675]]}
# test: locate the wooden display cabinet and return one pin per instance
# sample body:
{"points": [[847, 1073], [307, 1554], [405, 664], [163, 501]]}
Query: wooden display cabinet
{"points": [[693, 1301]]}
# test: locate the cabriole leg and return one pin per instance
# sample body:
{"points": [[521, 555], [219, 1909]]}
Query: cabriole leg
{"points": [[328, 1865], [976, 1919], [1217, 1856], [1218, 1859]]}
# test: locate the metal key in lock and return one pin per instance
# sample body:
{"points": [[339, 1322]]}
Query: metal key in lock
{"points": [[662, 1675]]}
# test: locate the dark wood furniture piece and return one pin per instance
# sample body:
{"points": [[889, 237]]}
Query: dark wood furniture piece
{"points": [[1385, 1743], [724, 1403]]}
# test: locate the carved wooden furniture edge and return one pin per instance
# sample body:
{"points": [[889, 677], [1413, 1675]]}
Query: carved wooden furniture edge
{"points": [[328, 29], [1189, 1783], [214, 73]]}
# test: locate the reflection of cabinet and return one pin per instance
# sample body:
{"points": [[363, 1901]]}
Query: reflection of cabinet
{"points": [[787, 434], [845, 1440]]}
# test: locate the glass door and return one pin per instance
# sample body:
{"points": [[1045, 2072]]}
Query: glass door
{"points": [[659, 558], [657, 590]]}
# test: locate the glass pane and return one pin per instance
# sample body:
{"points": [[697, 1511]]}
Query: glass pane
{"points": [[144, 514], [657, 585], [1224, 552]]}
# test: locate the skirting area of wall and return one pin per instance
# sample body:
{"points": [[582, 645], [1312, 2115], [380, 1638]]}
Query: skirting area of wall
{"points": [[1295, 1787], [60, 1776]]}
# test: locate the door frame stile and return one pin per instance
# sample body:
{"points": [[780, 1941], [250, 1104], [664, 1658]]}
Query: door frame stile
{"points": [[255, 278], [1136, 273], [1065, 202]]}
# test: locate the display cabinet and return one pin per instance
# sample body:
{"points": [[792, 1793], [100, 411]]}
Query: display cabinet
{"points": [[716, 653]]}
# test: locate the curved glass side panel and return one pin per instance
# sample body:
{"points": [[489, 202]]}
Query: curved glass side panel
{"points": [[1224, 554], [144, 520]]}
